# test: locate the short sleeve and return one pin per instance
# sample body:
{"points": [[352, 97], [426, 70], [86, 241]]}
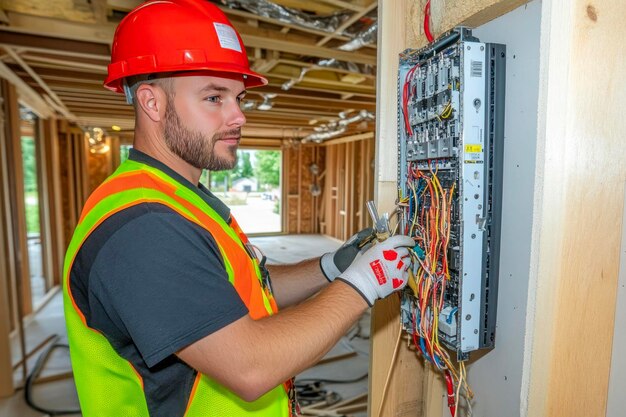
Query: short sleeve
{"points": [[161, 280]]}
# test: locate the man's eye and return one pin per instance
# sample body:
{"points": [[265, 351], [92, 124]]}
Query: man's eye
{"points": [[214, 99]]}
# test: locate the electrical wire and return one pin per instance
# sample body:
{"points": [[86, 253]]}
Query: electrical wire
{"points": [[388, 378], [427, 32], [427, 212], [30, 380]]}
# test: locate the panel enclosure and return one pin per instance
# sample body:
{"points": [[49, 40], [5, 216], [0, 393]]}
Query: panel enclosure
{"points": [[450, 133]]}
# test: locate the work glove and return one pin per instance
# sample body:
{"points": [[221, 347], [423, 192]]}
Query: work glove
{"points": [[334, 263], [380, 270]]}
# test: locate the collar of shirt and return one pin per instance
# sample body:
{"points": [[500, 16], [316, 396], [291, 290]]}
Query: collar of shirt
{"points": [[210, 198]]}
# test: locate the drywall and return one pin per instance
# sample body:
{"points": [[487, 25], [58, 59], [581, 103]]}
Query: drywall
{"points": [[496, 377]]}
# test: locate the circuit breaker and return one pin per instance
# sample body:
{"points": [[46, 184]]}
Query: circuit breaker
{"points": [[450, 133]]}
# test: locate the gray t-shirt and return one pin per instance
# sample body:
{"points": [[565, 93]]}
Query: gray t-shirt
{"points": [[152, 283]]}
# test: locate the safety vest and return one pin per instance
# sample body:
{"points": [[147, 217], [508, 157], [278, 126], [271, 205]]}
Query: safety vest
{"points": [[107, 384]]}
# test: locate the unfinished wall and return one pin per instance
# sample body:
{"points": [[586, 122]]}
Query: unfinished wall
{"points": [[348, 183], [301, 207], [496, 378], [74, 176], [100, 166]]}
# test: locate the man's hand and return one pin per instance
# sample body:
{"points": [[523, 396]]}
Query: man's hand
{"points": [[380, 270], [333, 264]]}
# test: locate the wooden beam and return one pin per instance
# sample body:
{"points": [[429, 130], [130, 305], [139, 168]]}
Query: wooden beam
{"points": [[123, 5], [248, 15], [63, 29], [255, 41], [100, 11], [344, 5], [26, 93], [306, 5], [61, 107], [6, 264], [577, 231], [349, 22], [255, 38], [446, 15], [346, 139], [44, 43], [64, 63], [57, 9]]}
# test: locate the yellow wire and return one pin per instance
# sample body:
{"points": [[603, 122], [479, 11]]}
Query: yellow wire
{"points": [[458, 389]]}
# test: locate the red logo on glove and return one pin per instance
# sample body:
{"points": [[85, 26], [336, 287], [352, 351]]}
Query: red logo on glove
{"points": [[390, 255], [379, 272]]}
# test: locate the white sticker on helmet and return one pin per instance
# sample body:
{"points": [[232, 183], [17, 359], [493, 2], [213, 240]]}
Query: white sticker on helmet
{"points": [[227, 37]]}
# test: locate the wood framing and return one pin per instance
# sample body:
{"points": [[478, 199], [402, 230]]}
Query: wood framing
{"points": [[402, 387], [300, 206], [7, 260], [579, 202], [347, 185], [16, 206], [575, 244], [50, 190], [58, 51]]}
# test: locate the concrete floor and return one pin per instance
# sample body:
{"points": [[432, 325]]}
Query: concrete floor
{"points": [[61, 395]]}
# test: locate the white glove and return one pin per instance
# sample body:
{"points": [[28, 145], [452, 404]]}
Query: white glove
{"points": [[380, 270], [334, 263]]}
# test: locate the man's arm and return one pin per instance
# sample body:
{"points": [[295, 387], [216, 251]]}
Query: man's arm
{"points": [[295, 283], [252, 357]]}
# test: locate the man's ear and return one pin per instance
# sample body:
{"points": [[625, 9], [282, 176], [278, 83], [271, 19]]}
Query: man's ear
{"points": [[151, 101]]}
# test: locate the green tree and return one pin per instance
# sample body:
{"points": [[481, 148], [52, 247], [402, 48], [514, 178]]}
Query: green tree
{"points": [[221, 179], [246, 165], [267, 168], [29, 163], [29, 166]]}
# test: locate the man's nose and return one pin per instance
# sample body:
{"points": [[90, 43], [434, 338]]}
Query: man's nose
{"points": [[235, 116]]}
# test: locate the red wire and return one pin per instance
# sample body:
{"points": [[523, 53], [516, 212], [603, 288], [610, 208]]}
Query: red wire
{"points": [[450, 386], [429, 35]]}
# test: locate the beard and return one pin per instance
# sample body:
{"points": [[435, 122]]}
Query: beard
{"points": [[196, 148]]}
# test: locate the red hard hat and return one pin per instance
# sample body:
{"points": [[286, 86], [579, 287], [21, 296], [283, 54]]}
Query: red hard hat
{"points": [[177, 35]]}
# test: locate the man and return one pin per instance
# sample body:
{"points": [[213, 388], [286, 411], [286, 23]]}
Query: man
{"points": [[169, 311]]}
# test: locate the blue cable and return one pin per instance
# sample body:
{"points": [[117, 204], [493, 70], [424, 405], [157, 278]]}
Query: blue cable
{"points": [[449, 319]]}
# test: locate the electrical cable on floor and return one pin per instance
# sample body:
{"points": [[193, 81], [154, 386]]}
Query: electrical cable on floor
{"points": [[313, 393], [333, 381], [32, 377]]}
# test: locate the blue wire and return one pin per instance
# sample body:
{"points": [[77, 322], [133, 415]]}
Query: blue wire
{"points": [[449, 319]]}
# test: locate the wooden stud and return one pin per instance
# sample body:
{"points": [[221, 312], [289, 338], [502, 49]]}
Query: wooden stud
{"points": [[7, 264], [404, 387], [579, 206]]}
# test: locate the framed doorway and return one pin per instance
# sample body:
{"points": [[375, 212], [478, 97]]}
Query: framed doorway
{"points": [[252, 190]]}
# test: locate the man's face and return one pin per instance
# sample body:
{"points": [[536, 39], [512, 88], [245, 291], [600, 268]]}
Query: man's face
{"points": [[203, 120]]}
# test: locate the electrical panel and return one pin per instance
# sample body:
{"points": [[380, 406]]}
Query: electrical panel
{"points": [[450, 133]]}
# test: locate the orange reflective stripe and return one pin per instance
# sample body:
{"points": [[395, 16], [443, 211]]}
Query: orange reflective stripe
{"points": [[122, 182], [249, 290], [134, 184], [193, 392], [235, 225], [136, 373]]}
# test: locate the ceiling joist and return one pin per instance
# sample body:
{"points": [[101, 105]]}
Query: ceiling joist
{"points": [[59, 55]]}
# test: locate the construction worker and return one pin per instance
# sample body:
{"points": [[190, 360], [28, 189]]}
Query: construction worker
{"points": [[169, 309]]}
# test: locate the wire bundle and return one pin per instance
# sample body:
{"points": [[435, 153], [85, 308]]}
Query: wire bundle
{"points": [[428, 211], [407, 95]]}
